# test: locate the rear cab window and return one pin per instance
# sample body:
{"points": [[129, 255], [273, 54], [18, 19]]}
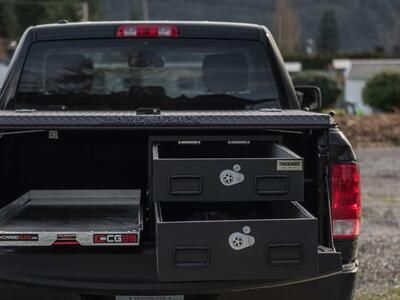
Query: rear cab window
{"points": [[127, 74]]}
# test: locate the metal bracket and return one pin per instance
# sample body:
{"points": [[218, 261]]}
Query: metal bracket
{"points": [[20, 132]]}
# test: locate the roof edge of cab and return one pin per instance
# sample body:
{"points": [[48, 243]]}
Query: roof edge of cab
{"points": [[188, 29]]}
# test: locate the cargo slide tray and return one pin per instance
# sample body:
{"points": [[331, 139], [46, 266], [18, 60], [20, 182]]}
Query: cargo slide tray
{"points": [[72, 217]]}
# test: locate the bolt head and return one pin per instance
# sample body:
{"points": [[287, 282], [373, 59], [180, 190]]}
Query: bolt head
{"points": [[246, 229]]}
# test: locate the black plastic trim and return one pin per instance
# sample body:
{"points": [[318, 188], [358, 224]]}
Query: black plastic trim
{"points": [[135, 271]]}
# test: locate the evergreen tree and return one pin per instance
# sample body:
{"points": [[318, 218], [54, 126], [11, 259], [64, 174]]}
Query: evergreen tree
{"points": [[95, 10], [328, 41], [8, 20], [27, 15], [62, 10]]}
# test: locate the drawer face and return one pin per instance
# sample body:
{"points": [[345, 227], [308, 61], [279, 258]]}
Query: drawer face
{"points": [[228, 179], [236, 249]]}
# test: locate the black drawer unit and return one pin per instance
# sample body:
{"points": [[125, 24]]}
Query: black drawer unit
{"points": [[215, 170], [235, 241]]}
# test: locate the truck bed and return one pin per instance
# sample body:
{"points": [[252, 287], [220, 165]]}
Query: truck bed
{"points": [[72, 217]]}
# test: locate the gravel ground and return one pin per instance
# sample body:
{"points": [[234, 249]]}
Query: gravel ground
{"points": [[379, 243]]}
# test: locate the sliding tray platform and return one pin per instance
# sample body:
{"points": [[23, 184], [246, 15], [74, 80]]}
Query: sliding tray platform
{"points": [[72, 217]]}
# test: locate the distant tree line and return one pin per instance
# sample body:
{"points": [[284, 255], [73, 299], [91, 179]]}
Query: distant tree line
{"points": [[17, 15], [287, 31], [318, 54]]}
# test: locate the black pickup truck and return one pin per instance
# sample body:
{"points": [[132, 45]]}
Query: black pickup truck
{"points": [[170, 160]]}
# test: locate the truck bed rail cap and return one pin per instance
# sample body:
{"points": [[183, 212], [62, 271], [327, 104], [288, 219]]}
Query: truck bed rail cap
{"points": [[196, 119]]}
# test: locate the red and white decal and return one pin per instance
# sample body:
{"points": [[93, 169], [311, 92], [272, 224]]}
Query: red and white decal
{"points": [[114, 238]]}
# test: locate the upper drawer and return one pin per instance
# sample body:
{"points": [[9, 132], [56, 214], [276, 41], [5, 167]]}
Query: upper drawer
{"points": [[226, 171]]}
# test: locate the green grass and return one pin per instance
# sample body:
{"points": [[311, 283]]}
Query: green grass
{"points": [[392, 199], [391, 294]]}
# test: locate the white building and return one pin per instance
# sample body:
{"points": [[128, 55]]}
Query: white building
{"points": [[293, 66], [355, 74]]}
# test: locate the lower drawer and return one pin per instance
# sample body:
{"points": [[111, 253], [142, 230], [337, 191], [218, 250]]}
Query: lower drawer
{"points": [[235, 241]]}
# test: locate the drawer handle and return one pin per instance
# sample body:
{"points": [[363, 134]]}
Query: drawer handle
{"points": [[185, 185], [271, 184], [284, 254], [193, 257]]}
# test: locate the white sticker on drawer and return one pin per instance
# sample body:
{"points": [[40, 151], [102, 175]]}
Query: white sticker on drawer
{"points": [[289, 165]]}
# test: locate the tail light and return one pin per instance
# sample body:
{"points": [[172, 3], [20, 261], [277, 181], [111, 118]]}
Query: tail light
{"points": [[346, 200], [147, 31]]}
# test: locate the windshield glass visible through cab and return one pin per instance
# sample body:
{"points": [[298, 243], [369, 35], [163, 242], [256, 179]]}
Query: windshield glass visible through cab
{"points": [[170, 74]]}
